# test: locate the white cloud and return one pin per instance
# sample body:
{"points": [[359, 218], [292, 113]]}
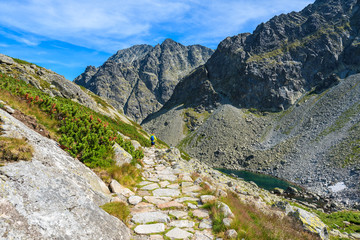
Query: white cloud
{"points": [[111, 24]]}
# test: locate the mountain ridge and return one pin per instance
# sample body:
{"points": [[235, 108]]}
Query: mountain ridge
{"points": [[140, 79]]}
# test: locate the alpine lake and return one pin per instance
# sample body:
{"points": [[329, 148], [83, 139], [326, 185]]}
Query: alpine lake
{"points": [[262, 180]]}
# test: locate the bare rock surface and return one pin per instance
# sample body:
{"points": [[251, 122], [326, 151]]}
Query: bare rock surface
{"points": [[52, 196]]}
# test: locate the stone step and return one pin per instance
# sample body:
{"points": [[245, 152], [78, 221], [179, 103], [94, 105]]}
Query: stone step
{"points": [[150, 228]]}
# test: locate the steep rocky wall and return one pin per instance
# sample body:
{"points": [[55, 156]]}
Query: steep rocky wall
{"points": [[53, 196]]}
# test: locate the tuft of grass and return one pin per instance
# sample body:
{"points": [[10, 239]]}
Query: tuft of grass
{"points": [[14, 149], [24, 62], [117, 209], [127, 175], [42, 117], [252, 223]]}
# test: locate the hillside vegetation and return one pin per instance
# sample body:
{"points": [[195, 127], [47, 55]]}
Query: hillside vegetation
{"points": [[82, 132]]}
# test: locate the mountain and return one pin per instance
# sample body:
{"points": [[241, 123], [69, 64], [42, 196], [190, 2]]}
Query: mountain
{"points": [[282, 100], [139, 80]]}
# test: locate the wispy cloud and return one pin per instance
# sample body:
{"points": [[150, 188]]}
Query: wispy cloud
{"points": [[111, 24]]}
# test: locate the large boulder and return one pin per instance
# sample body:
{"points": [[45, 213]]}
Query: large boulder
{"points": [[121, 156], [53, 196]]}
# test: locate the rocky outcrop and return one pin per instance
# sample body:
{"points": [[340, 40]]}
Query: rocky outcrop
{"points": [[140, 79], [53, 196], [46, 80]]}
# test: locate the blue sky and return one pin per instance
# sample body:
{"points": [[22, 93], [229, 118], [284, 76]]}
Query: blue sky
{"points": [[68, 35]]}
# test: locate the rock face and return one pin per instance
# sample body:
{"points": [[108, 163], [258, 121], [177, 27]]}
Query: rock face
{"points": [[283, 58], [53, 196], [140, 79]]}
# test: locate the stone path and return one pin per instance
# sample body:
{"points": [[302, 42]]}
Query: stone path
{"points": [[168, 202]]}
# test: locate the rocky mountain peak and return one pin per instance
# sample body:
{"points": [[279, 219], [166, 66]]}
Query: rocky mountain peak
{"points": [[140, 79], [285, 57]]}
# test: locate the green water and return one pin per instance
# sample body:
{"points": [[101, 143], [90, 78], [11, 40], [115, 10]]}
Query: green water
{"points": [[264, 181]]}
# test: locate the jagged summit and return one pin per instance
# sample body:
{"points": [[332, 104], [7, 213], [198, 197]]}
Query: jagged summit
{"points": [[283, 58], [140, 79]]}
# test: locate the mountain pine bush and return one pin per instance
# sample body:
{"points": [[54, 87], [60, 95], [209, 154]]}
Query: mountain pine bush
{"points": [[84, 133]]}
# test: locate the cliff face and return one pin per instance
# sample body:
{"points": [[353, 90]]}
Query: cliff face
{"points": [[285, 57], [140, 79]]}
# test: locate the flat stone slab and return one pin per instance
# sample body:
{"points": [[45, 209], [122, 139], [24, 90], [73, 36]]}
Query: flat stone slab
{"points": [[194, 188], [163, 192], [133, 200], [171, 204], [168, 177], [164, 183], [150, 186], [156, 237], [184, 199], [147, 217], [205, 223], [178, 233], [187, 184], [142, 207], [185, 177], [203, 235], [178, 214], [150, 228], [173, 186], [157, 200], [201, 213], [207, 198], [143, 183], [143, 193], [182, 224]]}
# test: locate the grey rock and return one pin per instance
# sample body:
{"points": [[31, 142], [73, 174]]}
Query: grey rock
{"points": [[205, 223], [178, 233], [231, 234], [9, 109], [150, 228], [311, 222], [178, 214], [147, 217], [161, 192], [121, 156], [225, 209], [150, 186], [207, 198], [227, 222], [116, 187], [52, 196], [182, 224], [136, 144], [133, 200], [7, 60]]}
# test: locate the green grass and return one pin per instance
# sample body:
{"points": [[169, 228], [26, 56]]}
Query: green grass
{"points": [[117, 209], [14, 149], [336, 220], [24, 62], [252, 223]]}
